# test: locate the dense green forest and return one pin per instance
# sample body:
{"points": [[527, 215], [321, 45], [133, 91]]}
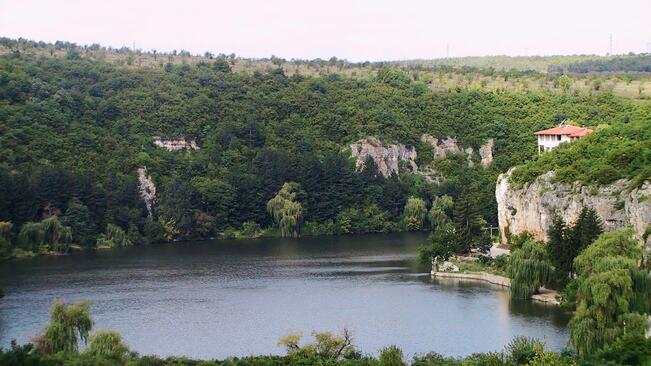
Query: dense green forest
{"points": [[75, 131]]}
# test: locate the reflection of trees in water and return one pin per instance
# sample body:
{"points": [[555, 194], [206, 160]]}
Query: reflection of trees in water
{"points": [[530, 308]]}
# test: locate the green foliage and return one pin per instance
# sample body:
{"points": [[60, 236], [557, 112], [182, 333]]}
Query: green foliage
{"points": [[78, 218], [468, 222], [529, 269], [444, 242], [391, 356], [107, 345], [326, 345], [610, 153], [517, 241], [624, 63], [250, 229], [613, 295], [55, 235], [31, 236], [566, 242], [439, 213], [414, 213], [69, 323], [285, 211], [629, 349], [76, 129], [49, 235], [113, 237], [523, 350]]}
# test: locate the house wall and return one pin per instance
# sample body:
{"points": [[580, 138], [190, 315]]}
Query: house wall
{"points": [[548, 142]]}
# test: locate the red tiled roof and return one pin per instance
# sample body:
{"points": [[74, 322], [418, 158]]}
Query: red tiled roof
{"points": [[569, 130]]}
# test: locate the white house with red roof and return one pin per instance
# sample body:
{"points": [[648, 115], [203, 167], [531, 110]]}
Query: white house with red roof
{"points": [[551, 138]]}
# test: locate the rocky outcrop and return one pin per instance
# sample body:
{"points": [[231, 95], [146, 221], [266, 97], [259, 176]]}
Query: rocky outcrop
{"points": [[388, 158], [147, 190], [486, 153], [442, 147], [449, 145], [175, 144], [532, 207]]}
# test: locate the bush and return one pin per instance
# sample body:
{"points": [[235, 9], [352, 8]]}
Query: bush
{"points": [[107, 345], [521, 350], [501, 262], [250, 229], [391, 356]]}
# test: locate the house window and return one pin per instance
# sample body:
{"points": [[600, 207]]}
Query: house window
{"points": [[558, 137]]}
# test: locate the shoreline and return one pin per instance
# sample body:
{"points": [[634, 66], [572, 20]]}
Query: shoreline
{"points": [[546, 296], [78, 249]]}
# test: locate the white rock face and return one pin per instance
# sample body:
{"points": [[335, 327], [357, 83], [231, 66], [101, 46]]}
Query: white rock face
{"points": [[532, 207], [147, 190], [175, 144], [486, 153], [443, 147], [386, 157], [449, 145]]}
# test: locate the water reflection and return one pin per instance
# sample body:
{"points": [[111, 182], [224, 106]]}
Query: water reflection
{"points": [[225, 298]]}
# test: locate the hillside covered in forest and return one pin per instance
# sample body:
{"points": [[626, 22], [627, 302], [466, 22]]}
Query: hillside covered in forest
{"points": [[75, 132]]}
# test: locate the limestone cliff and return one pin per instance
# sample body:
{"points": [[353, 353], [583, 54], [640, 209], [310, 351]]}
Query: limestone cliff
{"points": [[175, 144], [449, 145], [388, 158], [442, 147], [532, 207], [147, 190], [486, 153]]}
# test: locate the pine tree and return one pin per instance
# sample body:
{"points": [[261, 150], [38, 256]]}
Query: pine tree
{"points": [[566, 242], [558, 249], [586, 230], [467, 222]]}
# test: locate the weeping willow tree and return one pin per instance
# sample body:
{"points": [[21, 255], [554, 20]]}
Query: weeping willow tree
{"points": [[113, 237], [31, 236], [69, 323], [56, 235], [614, 292], [438, 216], [286, 212], [414, 213], [529, 269]]}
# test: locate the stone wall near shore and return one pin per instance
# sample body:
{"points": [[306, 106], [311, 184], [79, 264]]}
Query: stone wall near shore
{"points": [[545, 296]]}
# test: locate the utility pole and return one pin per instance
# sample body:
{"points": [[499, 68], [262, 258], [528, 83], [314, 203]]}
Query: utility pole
{"points": [[610, 44]]}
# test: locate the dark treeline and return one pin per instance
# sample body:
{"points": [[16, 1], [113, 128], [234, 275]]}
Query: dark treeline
{"points": [[75, 131], [628, 63]]}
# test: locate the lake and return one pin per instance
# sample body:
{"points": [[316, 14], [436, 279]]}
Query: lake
{"points": [[222, 298]]}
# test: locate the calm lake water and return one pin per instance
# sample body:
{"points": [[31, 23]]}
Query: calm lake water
{"points": [[236, 298]]}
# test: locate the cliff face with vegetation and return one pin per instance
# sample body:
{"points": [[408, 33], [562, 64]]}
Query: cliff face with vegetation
{"points": [[78, 129], [388, 158], [532, 207]]}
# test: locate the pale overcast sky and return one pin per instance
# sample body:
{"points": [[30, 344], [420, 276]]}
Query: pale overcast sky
{"points": [[356, 30]]}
